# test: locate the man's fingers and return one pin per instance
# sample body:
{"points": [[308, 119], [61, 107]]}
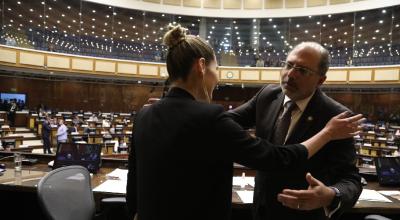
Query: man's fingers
{"points": [[354, 118], [311, 180], [299, 194], [342, 115], [288, 201]]}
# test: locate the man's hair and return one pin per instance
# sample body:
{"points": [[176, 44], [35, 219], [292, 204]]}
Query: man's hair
{"points": [[324, 54]]}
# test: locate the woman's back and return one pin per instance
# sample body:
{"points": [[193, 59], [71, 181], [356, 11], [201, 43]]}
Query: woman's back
{"points": [[180, 168]]}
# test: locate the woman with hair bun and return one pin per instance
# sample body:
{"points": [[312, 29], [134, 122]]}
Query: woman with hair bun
{"points": [[183, 147]]}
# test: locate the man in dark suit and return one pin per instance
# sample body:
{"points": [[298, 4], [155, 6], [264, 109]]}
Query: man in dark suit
{"points": [[46, 131], [328, 183], [11, 113]]}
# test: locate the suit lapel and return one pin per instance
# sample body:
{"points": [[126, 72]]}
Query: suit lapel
{"points": [[306, 120]]}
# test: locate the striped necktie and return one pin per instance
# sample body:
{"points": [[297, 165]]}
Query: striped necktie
{"points": [[282, 124]]}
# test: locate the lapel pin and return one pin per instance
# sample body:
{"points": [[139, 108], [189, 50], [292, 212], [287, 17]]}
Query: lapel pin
{"points": [[310, 118]]}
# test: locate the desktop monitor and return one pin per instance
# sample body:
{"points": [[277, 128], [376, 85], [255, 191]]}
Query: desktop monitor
{"points": [[76, 139], [92, 130], [8, 143], [86, 155], [118, 130], [388, 170], [19, 97]]}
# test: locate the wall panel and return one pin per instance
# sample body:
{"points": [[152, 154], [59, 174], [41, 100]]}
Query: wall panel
{"points": [[58, 62], [252, 4], [212, 3], [8, 56], [250, 75], [271, 75], [387, 75], [34, 59], [229, 4], [271, 4], [89, 96], [192, 3]]}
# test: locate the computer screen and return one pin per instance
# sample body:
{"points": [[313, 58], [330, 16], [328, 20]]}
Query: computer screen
{"points": [[92, 130], [86, 155], [388, 170], [19, 97]]}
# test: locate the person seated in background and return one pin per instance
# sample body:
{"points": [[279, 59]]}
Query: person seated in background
{"points": [[77, 120], [260, 62], [93, 118], [112, 129], [74, 128], [105, 123], [86, 130]]}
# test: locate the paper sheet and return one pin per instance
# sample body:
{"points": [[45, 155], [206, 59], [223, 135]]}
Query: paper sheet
{"points": [[238, 181], [246, 196], [119, 174], [112, 186], [372, 196], [392, 193]]}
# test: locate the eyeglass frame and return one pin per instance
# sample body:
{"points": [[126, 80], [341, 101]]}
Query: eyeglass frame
{"points": [[304, 71]]}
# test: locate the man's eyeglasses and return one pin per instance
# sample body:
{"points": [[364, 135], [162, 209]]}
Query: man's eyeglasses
{"points": [[302, 70]]}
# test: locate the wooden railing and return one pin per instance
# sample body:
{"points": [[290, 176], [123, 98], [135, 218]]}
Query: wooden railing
{"points": [[50, 62]]}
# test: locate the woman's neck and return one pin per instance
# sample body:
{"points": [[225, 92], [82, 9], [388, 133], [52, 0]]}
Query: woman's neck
{"points": [[195, 90]]}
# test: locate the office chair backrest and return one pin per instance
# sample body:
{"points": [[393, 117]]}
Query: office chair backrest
{"points": [[66, 193]]}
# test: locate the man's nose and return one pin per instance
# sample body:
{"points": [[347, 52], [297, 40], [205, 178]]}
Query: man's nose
{"points": [[292, 73]]}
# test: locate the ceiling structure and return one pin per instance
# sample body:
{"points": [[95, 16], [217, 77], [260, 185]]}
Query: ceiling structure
{"points": [[80, 27]]}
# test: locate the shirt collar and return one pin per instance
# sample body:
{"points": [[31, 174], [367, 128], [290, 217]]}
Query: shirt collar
{"points": [[301, 104]]}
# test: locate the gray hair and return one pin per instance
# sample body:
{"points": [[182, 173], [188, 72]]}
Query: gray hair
{"points": [[324, 59]]}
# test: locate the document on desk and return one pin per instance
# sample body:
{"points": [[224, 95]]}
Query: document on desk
{"points": [[238, 181], [112, 186], [372, 196], [119, 174], [246, 196], [392, 193]]}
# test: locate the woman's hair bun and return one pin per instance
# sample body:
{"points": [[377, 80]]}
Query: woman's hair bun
{"points": [[174, 36]]}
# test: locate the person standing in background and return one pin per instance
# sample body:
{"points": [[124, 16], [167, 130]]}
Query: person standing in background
{"points": [[46, 131], [11, 113], [62, 132]]}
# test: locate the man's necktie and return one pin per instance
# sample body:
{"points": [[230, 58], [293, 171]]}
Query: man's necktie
{"points": [[282, 123]]}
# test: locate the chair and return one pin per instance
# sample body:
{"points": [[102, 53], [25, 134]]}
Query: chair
{"points": [[376, 217], [66, 193]]}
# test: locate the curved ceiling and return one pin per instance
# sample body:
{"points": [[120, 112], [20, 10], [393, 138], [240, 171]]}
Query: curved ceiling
{"points": [[73, 26], [249, 8]]}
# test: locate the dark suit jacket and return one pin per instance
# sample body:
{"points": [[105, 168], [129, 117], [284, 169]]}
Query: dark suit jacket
{"points": [[46, 129], [333, 165], [181, 163]]}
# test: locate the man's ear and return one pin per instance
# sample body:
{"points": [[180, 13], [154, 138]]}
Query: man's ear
{"points": [[321, 80]]}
